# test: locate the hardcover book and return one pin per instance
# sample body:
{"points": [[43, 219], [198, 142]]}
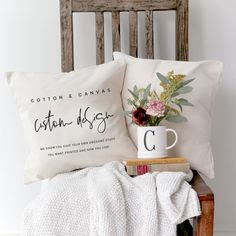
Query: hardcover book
{"points": [[142, 166], [166, 160]]}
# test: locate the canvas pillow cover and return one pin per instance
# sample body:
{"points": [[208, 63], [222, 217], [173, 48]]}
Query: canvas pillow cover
{"points": [[194, 135], [71, 120]]}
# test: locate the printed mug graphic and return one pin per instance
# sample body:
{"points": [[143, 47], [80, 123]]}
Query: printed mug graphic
{"points": [[85, 117], [145, 140], [152, 141]]}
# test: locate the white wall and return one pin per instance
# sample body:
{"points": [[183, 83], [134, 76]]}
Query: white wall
{"points": [[30, 41]]}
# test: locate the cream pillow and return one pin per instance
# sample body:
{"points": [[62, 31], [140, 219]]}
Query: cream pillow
{"points": [[71, 120], [194, 135]]}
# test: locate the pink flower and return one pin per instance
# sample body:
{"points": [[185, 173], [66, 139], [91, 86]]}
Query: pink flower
{"points": [[155, 108]]}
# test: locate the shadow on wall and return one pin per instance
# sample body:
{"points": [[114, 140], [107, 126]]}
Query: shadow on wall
{"points": [[196, 45], [212, 38], [223, 142]]}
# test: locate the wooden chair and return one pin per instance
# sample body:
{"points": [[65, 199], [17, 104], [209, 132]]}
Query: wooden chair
{"points": [[202, 225]]}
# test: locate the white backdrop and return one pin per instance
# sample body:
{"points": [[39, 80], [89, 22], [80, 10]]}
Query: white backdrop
{"points": [[30, 41]]}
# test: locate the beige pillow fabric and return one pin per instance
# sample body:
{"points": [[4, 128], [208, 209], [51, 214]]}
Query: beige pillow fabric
{"points": [[70, 119], [194, 135]]}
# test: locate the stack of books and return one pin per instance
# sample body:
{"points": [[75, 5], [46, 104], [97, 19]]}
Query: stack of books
{"points": [[142, 166]]}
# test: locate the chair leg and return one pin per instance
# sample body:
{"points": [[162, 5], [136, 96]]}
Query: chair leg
{"points": [[204, 224]]}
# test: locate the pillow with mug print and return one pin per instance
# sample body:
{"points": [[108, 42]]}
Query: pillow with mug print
{"points": [[194, 135]]}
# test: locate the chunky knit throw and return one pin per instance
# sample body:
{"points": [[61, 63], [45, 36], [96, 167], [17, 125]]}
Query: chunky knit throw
{"points": [[105, 201]]}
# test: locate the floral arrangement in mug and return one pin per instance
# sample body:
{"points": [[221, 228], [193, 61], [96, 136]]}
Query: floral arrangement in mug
{"points": [[149, 108]]}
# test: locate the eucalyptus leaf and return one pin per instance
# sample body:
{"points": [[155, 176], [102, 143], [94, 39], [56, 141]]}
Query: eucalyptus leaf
{"points": [[184, 90], [176, 118], [176, 101], [175, 94], [146, 92], [133, 94], [184, 102], [156, 94], [135, 90], [131, 102], [180, 107], [142, 102], [162, 78], [186, 82]]}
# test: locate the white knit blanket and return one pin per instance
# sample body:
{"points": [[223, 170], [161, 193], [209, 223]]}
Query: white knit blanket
{"points": [[105, 201]]}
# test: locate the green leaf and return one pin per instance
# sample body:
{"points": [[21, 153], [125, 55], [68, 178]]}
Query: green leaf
{"points": [[176, 119], [142, 102], [184, 102], [184, 90], [156, 94], [180, 107], [135, 90], [175, 94], [133, 94], [146, 92], [183, 83], [131, 102], [162, 78], [176, 101], [186, 82]]}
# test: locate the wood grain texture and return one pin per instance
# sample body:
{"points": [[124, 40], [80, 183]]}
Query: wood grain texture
{"points": [[67, 55], [199, 185], [204, 224], [133, 34], [182, 30], [99, 38], [149, 34], [122, 5], [116, 31]]}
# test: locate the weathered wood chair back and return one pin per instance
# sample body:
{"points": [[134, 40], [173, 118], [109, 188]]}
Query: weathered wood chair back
{"points": [[68, 7], [203, 225]]}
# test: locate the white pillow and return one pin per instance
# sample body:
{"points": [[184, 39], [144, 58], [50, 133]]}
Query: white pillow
{"points": [[70, 119], [194, 135]]}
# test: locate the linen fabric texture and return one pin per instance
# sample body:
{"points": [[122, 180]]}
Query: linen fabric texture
{"points": [[194, 135], [72, 120]]}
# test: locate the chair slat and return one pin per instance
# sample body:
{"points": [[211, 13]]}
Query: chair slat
{"points": [[116, 31], [99, 38], [149, 34], [133, 35], [67, 52], [203, 225], [182, 30], [122, 5]]}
